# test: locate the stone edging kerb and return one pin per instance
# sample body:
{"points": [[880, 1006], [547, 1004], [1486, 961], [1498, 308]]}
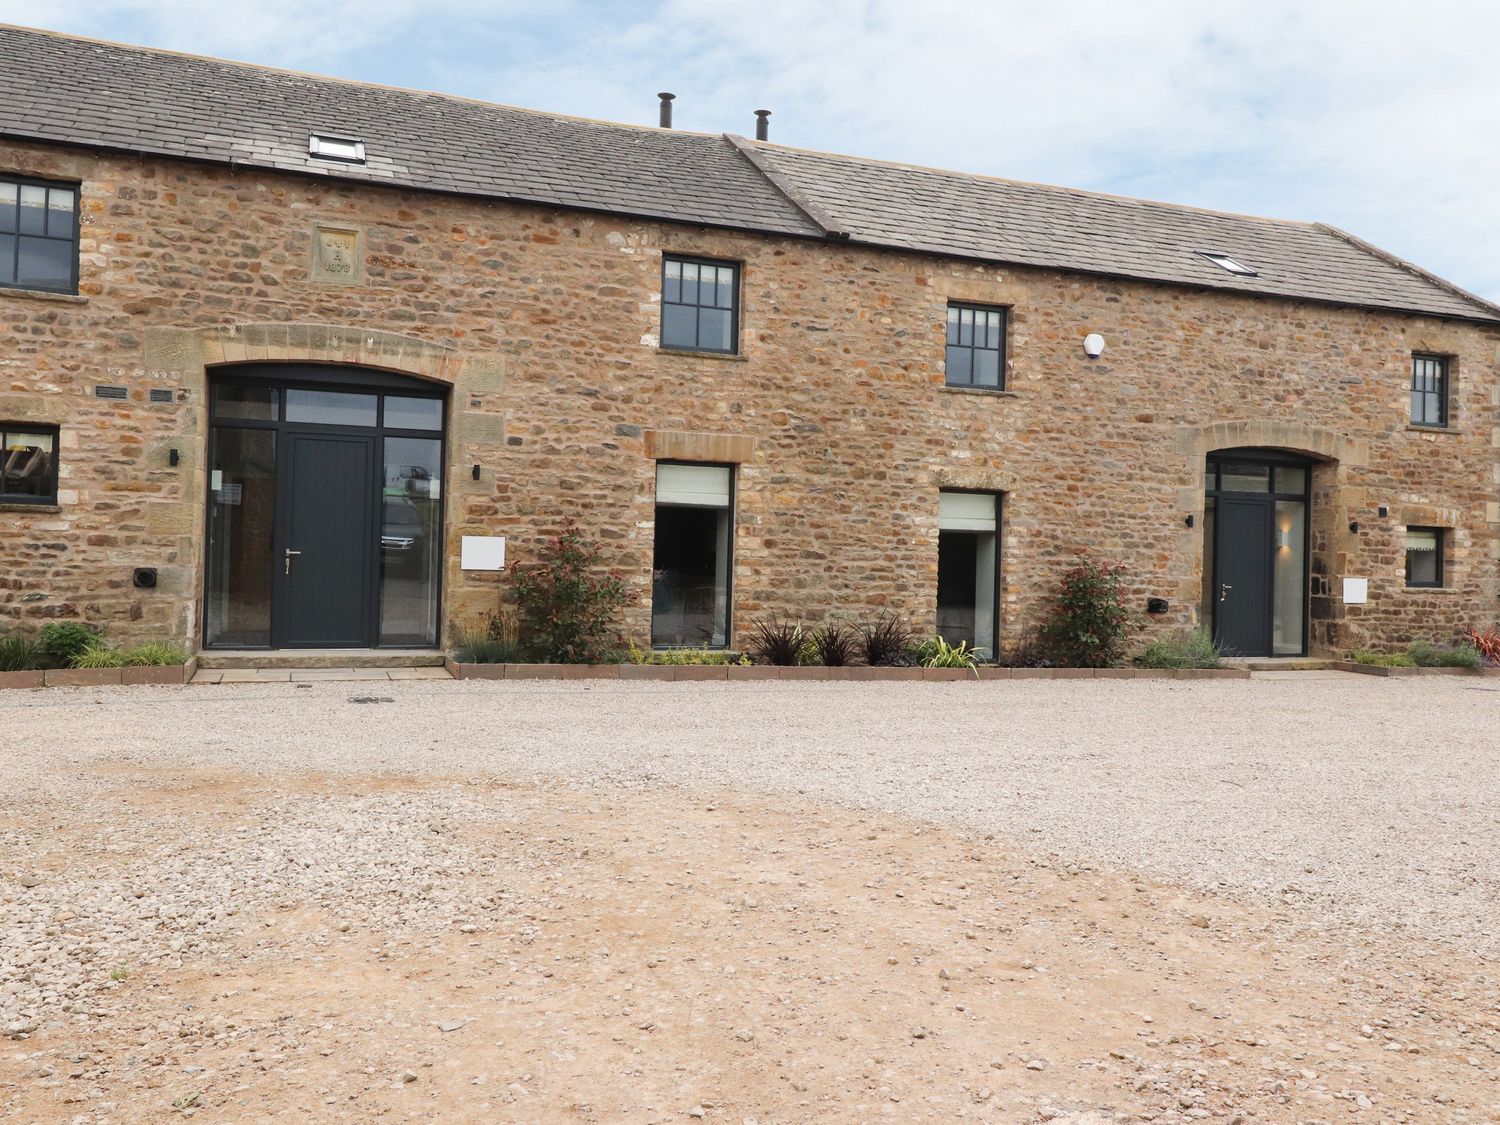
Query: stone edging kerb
{"points": [[700, 672], [170, 674]]}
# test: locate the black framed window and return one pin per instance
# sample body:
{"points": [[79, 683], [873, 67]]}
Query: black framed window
{"points": [[700, 304], [38, 235], [976, 346], [28, 464], [1429, 390], [1424, 556]]}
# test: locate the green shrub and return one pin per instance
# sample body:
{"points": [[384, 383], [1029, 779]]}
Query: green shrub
{"points": [[1385, 659], [1089, 621], [491, 641], [1028, 652], [884, 640], [777, 641], [1426, 655], [938, 653], [1191, 649], [568, 610], [684, 657], [154, 655], [98, 656], [62, 642], [20, 653]]}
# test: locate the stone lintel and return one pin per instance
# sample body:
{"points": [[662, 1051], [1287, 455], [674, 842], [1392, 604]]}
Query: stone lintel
{"points": [[681, 445]]}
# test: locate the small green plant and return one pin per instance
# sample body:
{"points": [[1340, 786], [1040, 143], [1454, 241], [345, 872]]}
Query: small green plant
{"points": [[20, 653], [1030, 651], [98, 655], [777, 641], [684, 657], [567, 608], [119, 973], [1191, 649], [1089, 622], [884, 641], [940, 654], [154, 655], [62, 642], [491, 641], [1426, 655], [1385, 659], [833, 645]]}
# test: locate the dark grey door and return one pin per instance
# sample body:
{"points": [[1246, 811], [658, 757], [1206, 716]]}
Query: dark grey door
{"points": [[1242, 583], [327, 541]]}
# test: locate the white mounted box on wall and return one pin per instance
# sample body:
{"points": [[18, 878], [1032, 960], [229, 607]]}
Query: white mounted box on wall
{"points": [[1356, 591], [482, 552]]}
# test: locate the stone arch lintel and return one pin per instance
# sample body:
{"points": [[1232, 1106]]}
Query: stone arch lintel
{"points": [[1199, 441]]}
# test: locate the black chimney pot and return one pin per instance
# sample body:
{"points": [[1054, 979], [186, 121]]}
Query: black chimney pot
{"points": [[666, 109], [762, 124]]}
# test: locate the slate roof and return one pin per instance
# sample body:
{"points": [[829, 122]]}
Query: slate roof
{"points": [[85, 92]]}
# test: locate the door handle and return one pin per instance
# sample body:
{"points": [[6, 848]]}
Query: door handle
{"points": [[1224, 589], [289, 554]]}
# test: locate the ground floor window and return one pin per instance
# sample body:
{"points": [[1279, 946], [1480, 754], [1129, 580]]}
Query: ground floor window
{"points": [[968, 568], [1424, 556], [691, 562], [28, 464]]}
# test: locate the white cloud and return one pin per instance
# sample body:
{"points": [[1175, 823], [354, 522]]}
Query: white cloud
{"points": [[1371, 115]]}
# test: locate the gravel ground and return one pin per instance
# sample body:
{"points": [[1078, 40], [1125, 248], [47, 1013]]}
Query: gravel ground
{"points": [[646, 902], [1375, 800]]}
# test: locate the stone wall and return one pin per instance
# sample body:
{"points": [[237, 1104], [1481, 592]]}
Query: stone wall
{"points": [[835, 412]]}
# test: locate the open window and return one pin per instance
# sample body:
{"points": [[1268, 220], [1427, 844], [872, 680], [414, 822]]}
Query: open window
{"points": [[691, 564], [968, 568]]}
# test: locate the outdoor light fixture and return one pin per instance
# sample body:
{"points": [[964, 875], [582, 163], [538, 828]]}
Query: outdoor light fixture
{"points": [[1354, 526], [1188, 520], [1284, 537], [476, 472], [1093, 345]]}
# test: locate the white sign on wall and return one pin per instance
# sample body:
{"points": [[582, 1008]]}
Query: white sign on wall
{"points": [[1356, 591], [482, 552]]}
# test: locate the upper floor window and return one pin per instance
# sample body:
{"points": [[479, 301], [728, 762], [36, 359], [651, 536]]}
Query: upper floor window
{"points": [[28, 464], [1424, 556], [1429, 390], [38, 235], [699, 305], [976, 347]]}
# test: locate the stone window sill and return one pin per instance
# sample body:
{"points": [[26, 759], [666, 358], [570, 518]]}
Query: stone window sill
{"points": [[44, 295], [1414, 429], [733, 357], [1430, 590], [54, 508], [987, 392]]}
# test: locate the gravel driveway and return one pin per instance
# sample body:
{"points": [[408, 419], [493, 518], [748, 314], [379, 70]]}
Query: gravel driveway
{"points": [[1376, 801]]}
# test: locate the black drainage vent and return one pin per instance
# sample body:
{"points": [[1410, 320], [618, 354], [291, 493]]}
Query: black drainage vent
{"points": [[161, 394], [102, 391]]}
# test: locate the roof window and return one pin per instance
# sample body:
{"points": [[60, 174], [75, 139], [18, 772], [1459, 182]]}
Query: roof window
{"points": [[1225, 262], [326, 146]]}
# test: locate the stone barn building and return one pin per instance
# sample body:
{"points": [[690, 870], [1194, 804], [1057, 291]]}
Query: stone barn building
{"points": [[283, 359]]}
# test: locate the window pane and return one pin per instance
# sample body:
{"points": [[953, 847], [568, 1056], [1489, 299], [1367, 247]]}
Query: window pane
{"points": [[690, 577], [672, 281], [8, 207], [679, 326], [1245, 478], [986, 369], [1424, 556], [966, 327], [411, 540], [726, 287], [992, 330], [330, 408], [232, 400], [33, 209], [960, 365], [46, 263], [966, 589], [689, 283], [1291, 479], [1289, 579], [241, 520], [7, 259], [27, 468], [713, 329], [60, 213], [413, 413], [952, 325]]}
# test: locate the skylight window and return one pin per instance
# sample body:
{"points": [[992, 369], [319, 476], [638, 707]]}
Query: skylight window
{"points": [[1225, 262], [326, 146]]}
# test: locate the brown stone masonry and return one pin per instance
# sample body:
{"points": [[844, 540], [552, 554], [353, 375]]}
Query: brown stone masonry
{"points": [[835, 413]]}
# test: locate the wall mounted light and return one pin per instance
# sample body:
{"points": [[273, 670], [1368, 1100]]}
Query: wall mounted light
{"points": [[476, 472], [1188, 520], [1354, 526], [1284, 537], [1093, 345]]}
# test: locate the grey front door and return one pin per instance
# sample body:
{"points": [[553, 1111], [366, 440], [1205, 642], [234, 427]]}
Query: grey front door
{"points": [[1242, 582], [326, 541]]}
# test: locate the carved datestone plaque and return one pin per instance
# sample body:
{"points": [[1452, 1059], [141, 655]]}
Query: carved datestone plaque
{"points": [[336, 255]]}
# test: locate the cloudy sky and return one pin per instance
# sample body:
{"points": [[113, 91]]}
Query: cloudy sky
{"points": [[1379, 117]]}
